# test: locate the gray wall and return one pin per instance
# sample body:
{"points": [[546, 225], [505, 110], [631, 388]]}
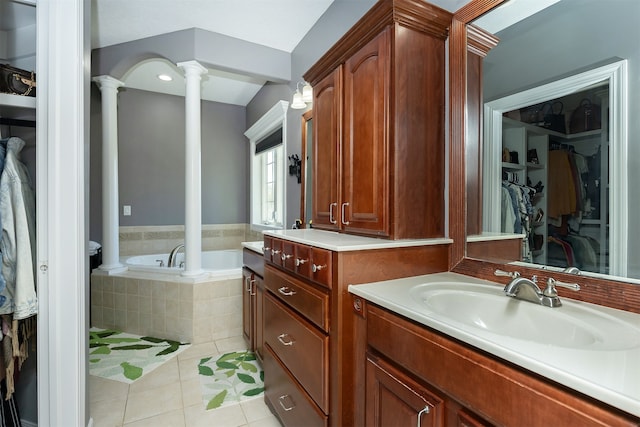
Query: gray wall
{"points": [[151, 156], [566, 38], [151, 126], [337, 20]]}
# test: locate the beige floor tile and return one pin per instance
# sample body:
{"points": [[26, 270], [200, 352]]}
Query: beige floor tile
{"points": [[198, 351], [270, 421], [108, 413], [255, 409], [231, 344], [188, 369], [167, 373], [170, 419], [104, 389], [191, 392], [229, 416], [153, 402]]}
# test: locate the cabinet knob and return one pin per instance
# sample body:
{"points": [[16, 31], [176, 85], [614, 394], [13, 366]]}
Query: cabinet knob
{"points": [[287, 292], [274, 252], [285, 256], [265, 249], [300, 261], [317, 268], [285, 339]]}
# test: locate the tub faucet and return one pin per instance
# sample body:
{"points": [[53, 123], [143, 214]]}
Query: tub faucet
{"points": [[528, 290], [172, 255]]}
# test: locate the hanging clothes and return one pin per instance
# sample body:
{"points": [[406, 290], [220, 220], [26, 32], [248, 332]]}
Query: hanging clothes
{"points": [[17, 210], [562, 190]]}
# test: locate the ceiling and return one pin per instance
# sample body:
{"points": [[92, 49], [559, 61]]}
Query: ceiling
{"points": [[278, 24]]}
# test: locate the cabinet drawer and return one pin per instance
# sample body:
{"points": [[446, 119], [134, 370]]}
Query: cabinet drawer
{"points": [[266, 248], [320, 271], [291, 404], [254, 261], [301, 348], [308, 301]]}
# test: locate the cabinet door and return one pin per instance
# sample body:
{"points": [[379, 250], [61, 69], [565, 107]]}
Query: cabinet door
{"points": [[395, 399], [365, 169], [327, 113], [259, 317], [247, 307]]}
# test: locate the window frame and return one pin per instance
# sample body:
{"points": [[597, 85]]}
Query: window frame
{"points": [[273, 119]]}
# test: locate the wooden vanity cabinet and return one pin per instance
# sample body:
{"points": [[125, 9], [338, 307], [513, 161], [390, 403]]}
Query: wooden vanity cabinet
{"points": [[476, 388], [308, 325], [253, 301], [378, 153]]}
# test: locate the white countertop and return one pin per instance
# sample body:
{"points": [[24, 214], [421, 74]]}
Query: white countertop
{"points": [[254, 246], [338, 242], [487, 236], [611, 376]]}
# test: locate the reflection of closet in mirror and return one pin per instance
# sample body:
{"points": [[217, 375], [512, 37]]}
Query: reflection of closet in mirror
{"points": [[555, 180], [563, 236]]}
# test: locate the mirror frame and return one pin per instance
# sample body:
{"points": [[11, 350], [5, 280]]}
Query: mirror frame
{"points": [[602, 291], [306, 117]]}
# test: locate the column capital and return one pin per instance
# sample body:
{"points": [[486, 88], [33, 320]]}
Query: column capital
{"points": [[107, 82], [192, 67]]}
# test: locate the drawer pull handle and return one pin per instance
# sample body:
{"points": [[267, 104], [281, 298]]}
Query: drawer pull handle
{"points": [[285, 256], [274, 252], [252, 291], [424, 411], [247, 284], [282, 399], [331, 218], [300, 261], [344, 215], [287, 292], [287, 342], [265, 249], [317, 268]]}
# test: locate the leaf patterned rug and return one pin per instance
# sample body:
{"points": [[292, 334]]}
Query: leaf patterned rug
{"points": [[230, 379], [126, 357]]}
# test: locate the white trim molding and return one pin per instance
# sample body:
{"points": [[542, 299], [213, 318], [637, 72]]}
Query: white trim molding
{"points": [[616, 75], [273, 119]]}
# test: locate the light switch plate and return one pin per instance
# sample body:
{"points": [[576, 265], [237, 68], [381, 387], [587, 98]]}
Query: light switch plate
{"points": [[126, 210]]}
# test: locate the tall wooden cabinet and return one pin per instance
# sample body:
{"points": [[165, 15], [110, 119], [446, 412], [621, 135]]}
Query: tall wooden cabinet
{"points": [[379, 108]]}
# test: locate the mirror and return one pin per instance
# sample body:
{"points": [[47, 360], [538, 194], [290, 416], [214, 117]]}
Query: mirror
{"points": [[307, 176], [553, 60]]}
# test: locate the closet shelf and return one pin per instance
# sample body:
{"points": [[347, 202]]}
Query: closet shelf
{"points": [[512, 166], [17, 106]]}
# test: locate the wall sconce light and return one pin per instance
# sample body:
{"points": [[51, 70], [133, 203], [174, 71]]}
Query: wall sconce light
{"points": [[295, 167], [300, 99]]}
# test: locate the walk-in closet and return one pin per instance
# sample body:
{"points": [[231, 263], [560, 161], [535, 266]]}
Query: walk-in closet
{"points": [[18, 296]]}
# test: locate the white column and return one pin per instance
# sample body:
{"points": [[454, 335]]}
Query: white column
{"points": [[193, 193], [110, 220]]}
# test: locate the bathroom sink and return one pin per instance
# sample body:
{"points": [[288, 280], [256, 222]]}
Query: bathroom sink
{"points": [[486, 309]]}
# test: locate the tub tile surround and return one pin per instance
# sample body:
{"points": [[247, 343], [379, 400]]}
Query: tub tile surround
{"points": [[151, 239], [187, 310]]}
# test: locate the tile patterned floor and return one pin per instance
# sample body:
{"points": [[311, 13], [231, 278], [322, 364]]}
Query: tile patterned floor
{"points": [[170, 396]]}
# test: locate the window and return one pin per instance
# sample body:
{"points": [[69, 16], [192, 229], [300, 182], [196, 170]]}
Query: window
{"points": [[271, 187], [267, 154]]}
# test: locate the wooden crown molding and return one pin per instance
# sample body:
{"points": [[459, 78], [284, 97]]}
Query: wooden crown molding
{"points": [[414, 14], [479, 41]]}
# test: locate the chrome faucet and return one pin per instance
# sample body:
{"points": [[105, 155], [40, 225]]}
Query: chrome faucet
{"points": [[172, 255], [528, 290]]}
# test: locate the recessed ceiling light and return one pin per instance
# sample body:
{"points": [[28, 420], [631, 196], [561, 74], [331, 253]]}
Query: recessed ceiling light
{"points": [[165, 77]]}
